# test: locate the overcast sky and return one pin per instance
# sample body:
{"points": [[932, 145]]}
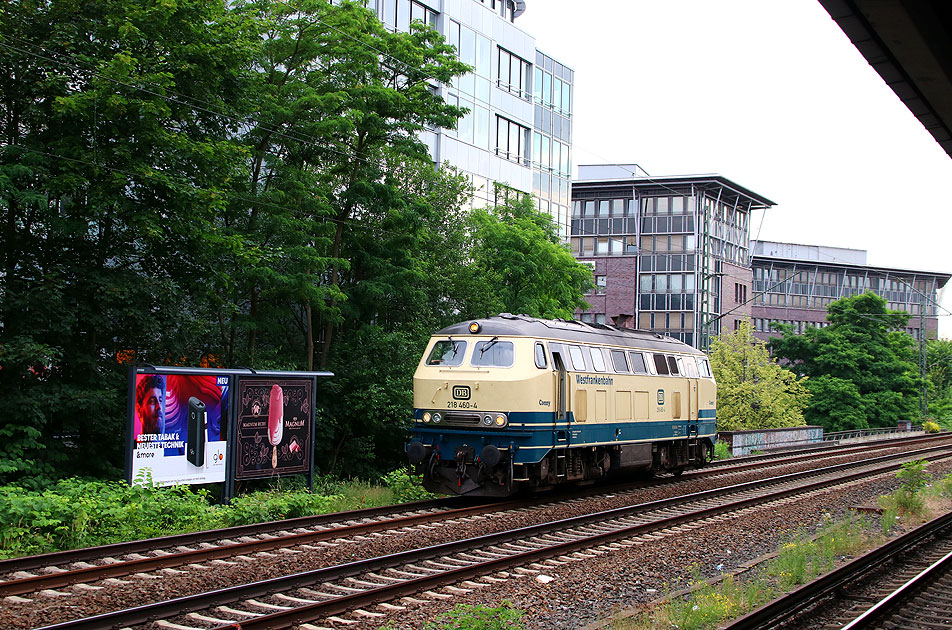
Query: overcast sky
{"points": [[770, 94]]}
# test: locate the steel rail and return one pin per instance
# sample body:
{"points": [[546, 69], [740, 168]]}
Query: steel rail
{"points": [[26, 563], [56, 558], [795, 602], [901, 595], [833, 475], [35, 583], [24, 585]]}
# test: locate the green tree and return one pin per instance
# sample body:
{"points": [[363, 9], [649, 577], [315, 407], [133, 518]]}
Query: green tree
{"points": [[521, 264], [110, 175], [339, 102], [753, 390], [861, 367], [939, 361]]}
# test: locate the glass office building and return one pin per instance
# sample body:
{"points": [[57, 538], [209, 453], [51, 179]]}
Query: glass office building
{"points": [[669, 254], [794, 284], [518, 131]]}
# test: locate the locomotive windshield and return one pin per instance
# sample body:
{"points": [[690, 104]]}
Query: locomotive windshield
{"points": [[447, 352], [493, 353]]}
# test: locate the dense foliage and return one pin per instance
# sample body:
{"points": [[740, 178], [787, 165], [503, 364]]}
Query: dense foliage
{"points": [[72, 513], [939, 362], [753, 390], [862, 367], [234, 184]]}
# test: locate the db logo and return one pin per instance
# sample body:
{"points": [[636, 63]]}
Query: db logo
{"points": [[660, 396], [461, 392]]}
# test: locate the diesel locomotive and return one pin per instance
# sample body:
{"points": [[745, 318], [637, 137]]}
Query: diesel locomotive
{"points": [[512, 402]]}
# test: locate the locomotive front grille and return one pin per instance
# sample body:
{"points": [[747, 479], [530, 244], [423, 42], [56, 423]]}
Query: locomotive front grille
{"points": [[462, 418]]}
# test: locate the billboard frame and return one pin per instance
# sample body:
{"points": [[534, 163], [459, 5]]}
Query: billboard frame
{"points": [[235, 374]]}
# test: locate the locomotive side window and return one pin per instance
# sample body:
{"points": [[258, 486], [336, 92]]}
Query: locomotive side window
{"points": [[598, 359], [705, 368], [578, 363], [638, 363], [492, 353], [690, 367], [448, 352], [660, 363], [673, 365], [619, 362], [540, 359]]}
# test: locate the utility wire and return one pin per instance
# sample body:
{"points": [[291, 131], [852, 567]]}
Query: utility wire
{"points": [[206, 107]]}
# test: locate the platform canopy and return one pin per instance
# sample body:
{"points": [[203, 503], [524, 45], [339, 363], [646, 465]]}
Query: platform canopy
{"points": [[909, 43]]}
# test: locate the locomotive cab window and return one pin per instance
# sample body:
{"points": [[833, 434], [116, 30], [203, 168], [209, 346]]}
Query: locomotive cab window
{"points": [[540, 360], [638, 363], [448, 352], [619, 362], [660, 363], [492, 353], [598, 359], [673, 366]]}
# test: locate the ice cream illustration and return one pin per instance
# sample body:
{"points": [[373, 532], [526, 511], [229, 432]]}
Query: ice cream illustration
{"points": [[275, 422]]}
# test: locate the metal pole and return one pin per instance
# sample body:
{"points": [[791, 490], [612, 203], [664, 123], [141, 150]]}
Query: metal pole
{"points": [[923, 364]]}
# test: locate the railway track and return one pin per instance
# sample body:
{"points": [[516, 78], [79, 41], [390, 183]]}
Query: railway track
{"points": [[47, 572], [903, 584], [367, 588]]}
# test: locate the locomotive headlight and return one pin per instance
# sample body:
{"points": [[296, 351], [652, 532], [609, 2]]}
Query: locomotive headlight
{"points": [[426, 416], [501, 419], [488, 420], [437, 418]]}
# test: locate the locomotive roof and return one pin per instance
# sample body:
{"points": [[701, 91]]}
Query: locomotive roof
{"points": [[509, 325]]}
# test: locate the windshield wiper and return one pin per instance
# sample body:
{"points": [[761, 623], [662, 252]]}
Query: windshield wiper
{"points": [[488, 345], [453, 345]]}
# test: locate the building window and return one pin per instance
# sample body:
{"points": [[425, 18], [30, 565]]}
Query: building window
{"points": [[398, 14], [512, 140], [513, 74], [740, 293], [601, 284]]}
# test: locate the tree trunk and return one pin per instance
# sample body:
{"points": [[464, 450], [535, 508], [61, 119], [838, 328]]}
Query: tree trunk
{"points": [[309, 324]]}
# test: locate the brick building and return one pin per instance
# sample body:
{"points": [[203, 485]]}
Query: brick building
{"points": [[669, 254]]}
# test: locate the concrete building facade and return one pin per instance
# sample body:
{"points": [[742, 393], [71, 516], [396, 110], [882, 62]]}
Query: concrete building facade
{"points": [[518, 131]]}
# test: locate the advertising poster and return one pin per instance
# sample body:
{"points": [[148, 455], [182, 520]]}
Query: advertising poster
{"points": [[178, 427], [275, 418]]}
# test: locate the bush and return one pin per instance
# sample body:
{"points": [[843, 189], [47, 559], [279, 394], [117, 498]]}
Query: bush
{"points": [[80, 513], [913, 476], [722, 450], [479, 617], [929, 426], [406, 487], [74, 513], [274, 505]]}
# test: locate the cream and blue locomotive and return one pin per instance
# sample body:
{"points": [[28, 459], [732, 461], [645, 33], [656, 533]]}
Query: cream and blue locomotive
{"points": [[513, 402]]}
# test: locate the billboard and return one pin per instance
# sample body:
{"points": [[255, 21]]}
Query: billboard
{"points": [[275, 419], [178, 426]]}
